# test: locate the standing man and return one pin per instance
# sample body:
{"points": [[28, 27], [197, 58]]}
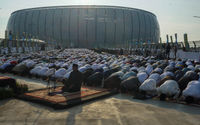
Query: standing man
{"points": [[175, 50], [74, 82], [168, 47], [121, 52]]}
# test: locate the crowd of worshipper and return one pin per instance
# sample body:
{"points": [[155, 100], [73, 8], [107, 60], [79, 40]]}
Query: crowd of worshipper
{"points": [[142, 77]]}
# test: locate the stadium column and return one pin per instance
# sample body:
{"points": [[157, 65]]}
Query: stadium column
{"points": [[78, 39], [96, 44], [53, 25], [124, 42], [69, 39], [115, 18], [61, 39], [87, 28], [38, 25], [105, 30], [145, 29], [45, 26], [150, 33], [138, 29], [132, 41]]}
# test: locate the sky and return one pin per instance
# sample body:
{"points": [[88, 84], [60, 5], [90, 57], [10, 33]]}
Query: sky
{"points": [[174, 16]]}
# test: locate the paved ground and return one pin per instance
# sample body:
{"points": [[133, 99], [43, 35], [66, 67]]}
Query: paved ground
{"points": [[186, 55], [115, 110]]}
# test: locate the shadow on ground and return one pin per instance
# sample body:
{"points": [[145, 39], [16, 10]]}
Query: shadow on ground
{"points": [[157, 103], [162, 104]]}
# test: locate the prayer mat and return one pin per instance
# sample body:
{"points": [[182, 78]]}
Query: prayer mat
{"points": [[59, 100]]}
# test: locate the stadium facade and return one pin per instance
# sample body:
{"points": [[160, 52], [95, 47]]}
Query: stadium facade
{"points": [[86, 26]]}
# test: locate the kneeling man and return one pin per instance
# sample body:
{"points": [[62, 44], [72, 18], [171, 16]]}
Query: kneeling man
{"points": [[74, 82]]}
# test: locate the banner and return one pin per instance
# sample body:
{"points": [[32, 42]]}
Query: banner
{"points": [[171, 39]]}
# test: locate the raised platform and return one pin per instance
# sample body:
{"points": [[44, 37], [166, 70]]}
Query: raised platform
{"points": [[65, 100]]}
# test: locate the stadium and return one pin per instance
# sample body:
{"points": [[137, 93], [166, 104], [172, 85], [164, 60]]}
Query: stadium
{"points": [[86, 26]]}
